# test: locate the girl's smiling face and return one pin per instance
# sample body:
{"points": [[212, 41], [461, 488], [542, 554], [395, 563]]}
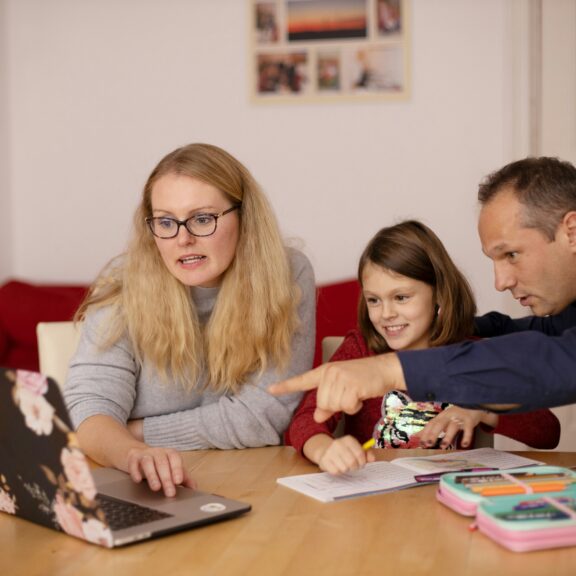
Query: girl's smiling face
{"points": [[195, 261], [401, 309]]}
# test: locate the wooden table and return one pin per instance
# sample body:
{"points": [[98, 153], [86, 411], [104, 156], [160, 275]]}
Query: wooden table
{"points": [[286, 533]]}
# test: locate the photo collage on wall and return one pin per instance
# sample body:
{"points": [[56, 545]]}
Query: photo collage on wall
{"points": [[307, 50]]}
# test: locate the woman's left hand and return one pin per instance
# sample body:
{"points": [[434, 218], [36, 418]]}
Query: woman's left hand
{"points": [[450, 422]]}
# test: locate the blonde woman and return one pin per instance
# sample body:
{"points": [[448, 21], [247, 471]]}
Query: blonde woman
{"points": [[184, 332]]}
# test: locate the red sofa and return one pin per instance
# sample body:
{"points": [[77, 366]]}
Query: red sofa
{"points": [[23, 305], [336, 311]]}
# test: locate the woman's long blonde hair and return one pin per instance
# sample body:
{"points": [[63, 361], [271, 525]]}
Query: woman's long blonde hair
{"points": [[255, 315]]}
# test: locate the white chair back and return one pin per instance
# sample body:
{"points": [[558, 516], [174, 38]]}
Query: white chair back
{"points": [[329, 346], [57, 342]]}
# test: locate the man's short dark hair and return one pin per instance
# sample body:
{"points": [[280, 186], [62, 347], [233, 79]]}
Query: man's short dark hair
{"points": [[545, 186]]}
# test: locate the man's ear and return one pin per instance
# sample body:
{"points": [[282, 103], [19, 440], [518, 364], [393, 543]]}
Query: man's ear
{"points": [[569, 225]]}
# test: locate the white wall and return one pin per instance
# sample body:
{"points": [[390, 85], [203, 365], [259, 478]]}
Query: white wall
{"points": [[6, 263], [558, 111], [100, 90]]}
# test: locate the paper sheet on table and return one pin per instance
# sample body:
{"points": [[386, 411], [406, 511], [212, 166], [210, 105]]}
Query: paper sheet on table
{"points": [[379, 477]]}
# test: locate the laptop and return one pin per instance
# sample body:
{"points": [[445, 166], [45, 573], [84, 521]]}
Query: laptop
{"points": [[45, 477]]}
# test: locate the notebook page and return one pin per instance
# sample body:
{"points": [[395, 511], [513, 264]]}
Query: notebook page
{"points": [[373, 478], [465, 460]]}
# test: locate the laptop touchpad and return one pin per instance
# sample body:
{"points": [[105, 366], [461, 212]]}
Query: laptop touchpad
{"points": [[119, 485]]}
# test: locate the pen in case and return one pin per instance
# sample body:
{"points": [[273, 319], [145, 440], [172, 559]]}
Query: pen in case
{"points": [[519, 489]]}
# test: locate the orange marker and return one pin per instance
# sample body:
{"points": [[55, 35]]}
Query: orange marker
{"points": [[508, 490]]}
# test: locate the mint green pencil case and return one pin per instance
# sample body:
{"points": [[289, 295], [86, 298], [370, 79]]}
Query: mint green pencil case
{"points": [[464, 491], [530, 521]]}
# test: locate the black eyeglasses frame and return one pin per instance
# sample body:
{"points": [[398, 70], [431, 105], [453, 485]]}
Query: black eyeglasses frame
{"points": [[150, 221]]}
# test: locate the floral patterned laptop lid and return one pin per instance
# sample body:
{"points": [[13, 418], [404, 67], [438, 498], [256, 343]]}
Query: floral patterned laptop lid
{"points": [[44, 477]]}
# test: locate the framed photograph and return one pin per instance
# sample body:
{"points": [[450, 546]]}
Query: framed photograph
{"points": [[308, 50]]}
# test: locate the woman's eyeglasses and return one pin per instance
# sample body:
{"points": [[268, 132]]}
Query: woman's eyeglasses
{"points": [[198, 225]]}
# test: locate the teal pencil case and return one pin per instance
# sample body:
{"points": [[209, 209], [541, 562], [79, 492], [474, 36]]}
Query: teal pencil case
{"points": [[530, 521], [463, 491]]}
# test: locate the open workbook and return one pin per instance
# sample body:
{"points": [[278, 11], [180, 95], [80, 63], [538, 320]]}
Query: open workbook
{"points": [[405, 472]]}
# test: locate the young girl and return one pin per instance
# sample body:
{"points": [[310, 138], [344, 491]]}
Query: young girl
{"points": [[413, 296], [183, 334]]}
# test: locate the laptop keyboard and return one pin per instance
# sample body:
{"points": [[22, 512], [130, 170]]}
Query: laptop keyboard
{"points": [[121, 514]]}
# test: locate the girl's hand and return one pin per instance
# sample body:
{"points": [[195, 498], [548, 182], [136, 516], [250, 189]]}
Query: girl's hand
{"points": [[450, 422], [162, 468], [343, 455]]}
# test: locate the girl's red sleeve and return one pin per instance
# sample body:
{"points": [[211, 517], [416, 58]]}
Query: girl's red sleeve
{"points": [[539, 429], [303, 426]]}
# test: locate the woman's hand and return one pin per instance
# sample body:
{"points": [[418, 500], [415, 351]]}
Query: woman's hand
{"points": [[450, 422], [111, 443], [343, 455], [162, 468]]}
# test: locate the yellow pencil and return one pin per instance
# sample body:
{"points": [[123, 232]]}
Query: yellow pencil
{"points": [[368, 444]]}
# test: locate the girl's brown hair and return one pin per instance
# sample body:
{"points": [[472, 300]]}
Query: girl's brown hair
{"points": [[413, 250]]}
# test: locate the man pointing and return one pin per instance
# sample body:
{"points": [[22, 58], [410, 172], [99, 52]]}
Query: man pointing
{"points": [[527, 227]]}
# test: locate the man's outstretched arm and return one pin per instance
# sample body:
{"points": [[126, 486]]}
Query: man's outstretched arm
{"points": [[343, 386]]}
